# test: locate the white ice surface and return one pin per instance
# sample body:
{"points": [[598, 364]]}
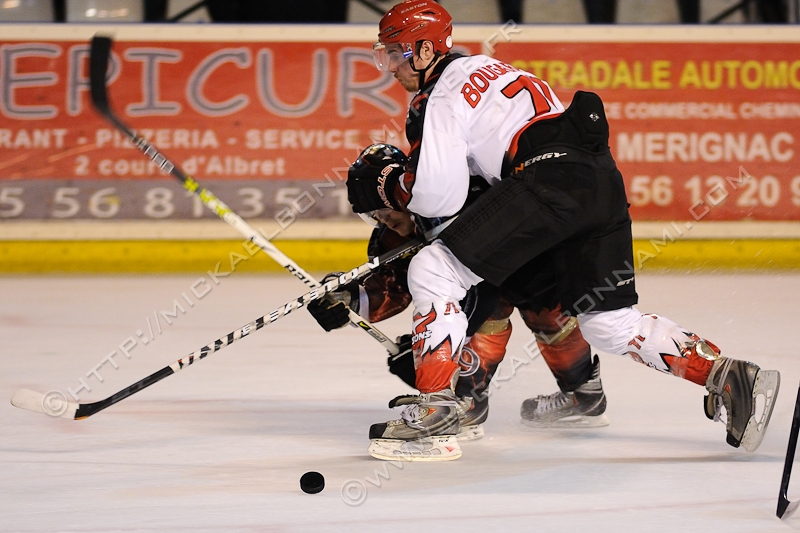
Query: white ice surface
{"points": [[221, 445]]}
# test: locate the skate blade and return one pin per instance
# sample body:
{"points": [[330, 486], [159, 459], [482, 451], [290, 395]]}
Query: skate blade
{"points": [[440, 448], [569, 422], [767, 383], [468, 433]]}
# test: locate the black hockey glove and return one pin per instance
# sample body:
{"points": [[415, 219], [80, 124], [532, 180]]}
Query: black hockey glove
{"points": [[330, 311], [402, 364], [373, 177]]}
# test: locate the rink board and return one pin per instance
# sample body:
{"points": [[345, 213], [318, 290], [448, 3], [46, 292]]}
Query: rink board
{"points": [[704, 123], [20, 257], [341, 244]]}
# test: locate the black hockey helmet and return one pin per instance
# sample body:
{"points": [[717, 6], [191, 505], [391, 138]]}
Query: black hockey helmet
{"points": [[372, 177], [379, 154]]}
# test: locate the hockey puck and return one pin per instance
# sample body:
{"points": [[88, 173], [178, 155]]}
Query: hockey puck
{"points": [[312, 482]]}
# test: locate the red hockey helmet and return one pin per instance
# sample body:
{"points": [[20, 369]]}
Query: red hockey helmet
{"points": [[408, 23]]}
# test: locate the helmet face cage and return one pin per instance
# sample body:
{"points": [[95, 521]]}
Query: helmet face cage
{"points": [[369, 219], [389, 56], [375, 217]]}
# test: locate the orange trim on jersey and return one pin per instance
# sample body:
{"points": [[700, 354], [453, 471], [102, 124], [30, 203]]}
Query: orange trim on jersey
{"points": [[417, 99]]}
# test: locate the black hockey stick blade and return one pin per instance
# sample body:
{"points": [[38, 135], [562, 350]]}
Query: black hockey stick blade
{"points": [[785, 507], [55, 403], [99, 56], [98, 66]]}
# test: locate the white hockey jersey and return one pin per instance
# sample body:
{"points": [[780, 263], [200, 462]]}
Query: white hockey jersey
{"points": [[467, 122]]}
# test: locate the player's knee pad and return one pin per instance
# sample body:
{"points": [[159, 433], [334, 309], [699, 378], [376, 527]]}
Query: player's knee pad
{"points": [[435, 274], [549, 326], [610, 331]]}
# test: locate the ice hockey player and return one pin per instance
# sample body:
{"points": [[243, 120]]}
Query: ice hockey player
{"points": [[557, 202], [580, 401]]}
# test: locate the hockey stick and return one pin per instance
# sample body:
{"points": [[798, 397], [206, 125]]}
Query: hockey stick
{"points": [[785, 507], [55, 403], [98, 66]]}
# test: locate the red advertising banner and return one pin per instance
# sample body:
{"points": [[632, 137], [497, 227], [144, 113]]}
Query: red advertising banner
{"points": [[699, 130], [267, 124], [223, 110]]}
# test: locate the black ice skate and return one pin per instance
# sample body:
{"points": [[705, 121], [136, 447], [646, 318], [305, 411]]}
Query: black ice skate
{"points": [[736, 385], [581, 408], [426, 430]]}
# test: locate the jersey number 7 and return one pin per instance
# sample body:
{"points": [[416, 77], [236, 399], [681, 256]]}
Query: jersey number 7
{"points": [[541, 104]]}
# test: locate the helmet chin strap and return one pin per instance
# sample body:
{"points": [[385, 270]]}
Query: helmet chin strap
{"points": [[422, 72]]}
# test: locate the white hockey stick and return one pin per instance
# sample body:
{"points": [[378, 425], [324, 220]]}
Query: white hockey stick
{"points": [[55, 403], [98, 65]]}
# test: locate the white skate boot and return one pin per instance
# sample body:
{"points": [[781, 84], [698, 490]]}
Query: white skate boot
{"points": [[426, 430]]}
